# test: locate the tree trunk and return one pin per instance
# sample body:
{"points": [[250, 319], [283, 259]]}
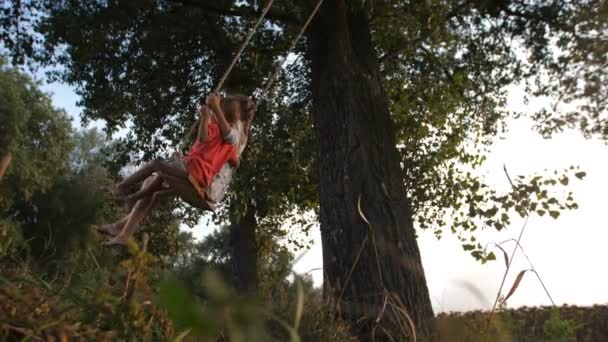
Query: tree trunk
{"points": [[371, 271], [245, 253]]}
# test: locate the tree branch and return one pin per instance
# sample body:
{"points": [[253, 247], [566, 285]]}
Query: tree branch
{"points": [[219, 8], [533, 16], [223, 42], [449, 75]]}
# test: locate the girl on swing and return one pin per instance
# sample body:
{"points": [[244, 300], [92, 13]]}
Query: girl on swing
{"points": [[201, 177]]}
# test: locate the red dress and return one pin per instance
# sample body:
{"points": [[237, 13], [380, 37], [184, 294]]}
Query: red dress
{"points": [[205, 159]]}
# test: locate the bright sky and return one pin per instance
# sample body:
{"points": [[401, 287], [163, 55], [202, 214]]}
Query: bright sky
{"points": [[565, 252]]}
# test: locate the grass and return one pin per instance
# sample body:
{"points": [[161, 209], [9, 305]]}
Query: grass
{"points": [[96, 299]]}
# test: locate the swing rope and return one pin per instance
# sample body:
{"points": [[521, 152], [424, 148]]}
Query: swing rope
{"points": [[271, 80], [236, 58]]}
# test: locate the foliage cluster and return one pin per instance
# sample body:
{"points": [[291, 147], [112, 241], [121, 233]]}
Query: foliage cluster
{"points": [[98, 300], [554, 324], [103, 299], [58, 282], [446, 66]]}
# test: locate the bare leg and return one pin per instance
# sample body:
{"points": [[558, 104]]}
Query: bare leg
{"points": [[178, 186], [112, 228], [185, 190], [116, 227], [146, 171], [139, 212], [137, 207], [150, 186]]}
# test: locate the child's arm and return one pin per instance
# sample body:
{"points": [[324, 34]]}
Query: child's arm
{"points": [[213, 100], [203, 124]]}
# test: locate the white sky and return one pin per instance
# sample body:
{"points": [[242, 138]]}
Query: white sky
{"points": [[566, 252]]}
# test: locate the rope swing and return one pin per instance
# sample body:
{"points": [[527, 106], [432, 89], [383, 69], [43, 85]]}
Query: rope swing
{"points": [[267, 86]]}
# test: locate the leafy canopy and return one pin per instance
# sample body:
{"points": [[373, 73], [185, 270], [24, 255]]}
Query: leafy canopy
{"points": [[447, 67], [37, 135]]}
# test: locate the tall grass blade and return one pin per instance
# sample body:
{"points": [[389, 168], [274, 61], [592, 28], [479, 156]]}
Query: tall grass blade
{"points": [[505, 255], [299, 304], [361, 211], [516, 283], [182, 336]]}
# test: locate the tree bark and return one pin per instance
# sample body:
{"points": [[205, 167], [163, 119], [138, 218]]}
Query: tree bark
{"points": [[245, 253], [371, 271]]}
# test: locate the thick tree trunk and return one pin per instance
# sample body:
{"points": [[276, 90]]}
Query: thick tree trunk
{"points": [[245, 253], [371, 272]]}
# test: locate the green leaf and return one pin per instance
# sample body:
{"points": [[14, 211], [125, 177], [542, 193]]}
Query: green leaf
{"points": [[491, 256], [580, 175], [564, 180], [541, 212], [554, 214], [181, 307], [520, 210], [504, 217], [491, 212], [468, 247]]}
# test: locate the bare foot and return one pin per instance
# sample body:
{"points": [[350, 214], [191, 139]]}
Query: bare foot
{"points": [[108, 229], [117, 240]]}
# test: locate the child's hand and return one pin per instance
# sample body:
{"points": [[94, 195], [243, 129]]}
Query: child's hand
{"points": [[213, 100], [204, 111]]}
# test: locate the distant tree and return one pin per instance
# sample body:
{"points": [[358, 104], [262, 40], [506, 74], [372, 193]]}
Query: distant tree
{"points": [[37, 136], [216, 252], [57, 222]]}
